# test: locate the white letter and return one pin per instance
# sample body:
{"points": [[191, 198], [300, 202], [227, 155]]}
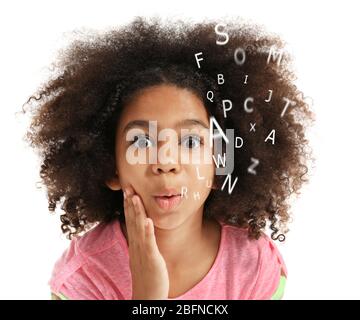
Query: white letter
{"points": [[197, 60], [220, 76], [198, 174], [242, 142], [254, 164], [153, 133], [286, 105], [273, 136], [273, 53], [220, 160], [248, 110], [242, 51], [221, 34], [221, 132], [224, 108], [270, 95], [209, 183], [196, 195], [164, 159], [183, 192], [228, 177], [131, 158]]}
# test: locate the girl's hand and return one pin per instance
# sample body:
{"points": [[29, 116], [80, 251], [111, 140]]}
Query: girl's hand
{"points": [[150, 279]]}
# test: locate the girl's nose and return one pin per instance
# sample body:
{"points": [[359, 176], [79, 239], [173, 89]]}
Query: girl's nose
{"points": [[167, 155], [171, 166]]}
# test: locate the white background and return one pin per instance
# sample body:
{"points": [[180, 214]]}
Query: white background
{"points": [[322, 248]]}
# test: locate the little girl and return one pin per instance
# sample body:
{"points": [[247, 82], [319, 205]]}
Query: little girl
{"points": [[149, 218]]}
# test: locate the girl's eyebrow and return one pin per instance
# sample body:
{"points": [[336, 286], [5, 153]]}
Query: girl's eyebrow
{"points": [[145, 124]]}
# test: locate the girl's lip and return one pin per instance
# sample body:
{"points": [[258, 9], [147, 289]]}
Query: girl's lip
{"points": [[167, 192], [168, 203]]}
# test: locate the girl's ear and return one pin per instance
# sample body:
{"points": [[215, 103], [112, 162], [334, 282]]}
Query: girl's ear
{"points": [[114, 183]]}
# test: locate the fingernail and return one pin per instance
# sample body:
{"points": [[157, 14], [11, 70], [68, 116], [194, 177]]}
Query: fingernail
{"points": [[133, 200]]}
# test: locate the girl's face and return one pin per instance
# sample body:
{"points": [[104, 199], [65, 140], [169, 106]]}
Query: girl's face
{"points": [[172, 108]]}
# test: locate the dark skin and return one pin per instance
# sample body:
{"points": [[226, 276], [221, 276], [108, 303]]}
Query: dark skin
{"points": [[189, 273], [183, 234]]}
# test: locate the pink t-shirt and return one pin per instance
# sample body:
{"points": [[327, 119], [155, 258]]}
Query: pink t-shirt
{"points": [[96, 266]]}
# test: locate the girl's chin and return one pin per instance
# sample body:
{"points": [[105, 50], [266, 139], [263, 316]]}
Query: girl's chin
{"points": [[167, 222]]}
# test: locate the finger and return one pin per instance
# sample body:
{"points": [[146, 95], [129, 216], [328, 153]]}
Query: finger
{"points": [[140, 206], [150, 240], [129, 193], [130, 190], [125, 203], [126, 207], [129, 218], [140, 216]]}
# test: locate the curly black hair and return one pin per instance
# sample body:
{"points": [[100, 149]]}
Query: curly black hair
{"points": [[76, 111]]}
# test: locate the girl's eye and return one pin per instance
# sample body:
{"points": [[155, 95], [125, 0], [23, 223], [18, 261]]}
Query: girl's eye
{"points": [[193, 140], [141, 141]]}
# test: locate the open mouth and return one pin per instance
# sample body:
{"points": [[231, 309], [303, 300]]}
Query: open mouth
{"points": [[168, 202]]}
